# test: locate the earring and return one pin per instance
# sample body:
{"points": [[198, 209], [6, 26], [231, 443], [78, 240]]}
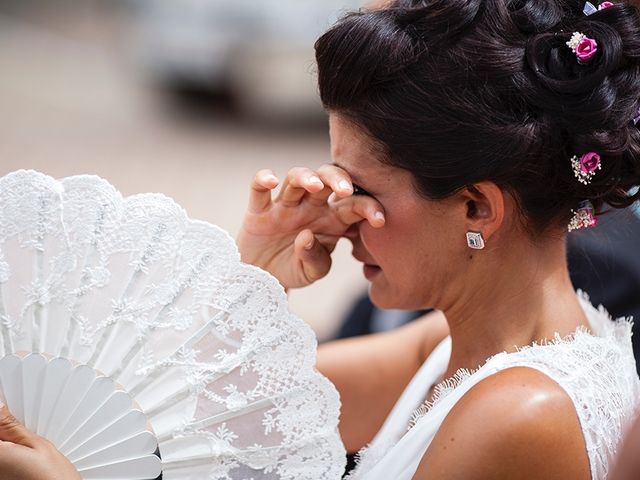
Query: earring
{"points": [[475, 240]]}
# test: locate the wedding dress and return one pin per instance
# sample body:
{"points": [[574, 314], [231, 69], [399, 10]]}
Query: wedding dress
{"points": [[597, 370]]}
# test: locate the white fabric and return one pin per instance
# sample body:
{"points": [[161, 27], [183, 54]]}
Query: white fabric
{"points": [[596, 370]]}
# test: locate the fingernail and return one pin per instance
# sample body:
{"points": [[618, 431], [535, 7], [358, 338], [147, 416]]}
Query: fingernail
{"points": [[344, 185], [314, 179], [379, 215], [271, 177], [309, 244]]}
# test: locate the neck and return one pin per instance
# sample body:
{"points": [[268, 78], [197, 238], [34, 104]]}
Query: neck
{"points": [[527, 297]]}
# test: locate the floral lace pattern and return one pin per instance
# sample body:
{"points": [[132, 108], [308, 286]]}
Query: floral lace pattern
{"points": [[162, 304]]}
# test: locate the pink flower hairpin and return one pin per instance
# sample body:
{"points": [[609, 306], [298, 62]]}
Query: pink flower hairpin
{"points": [[583, 217], [585, 167], [584, 47], [590, 8]]}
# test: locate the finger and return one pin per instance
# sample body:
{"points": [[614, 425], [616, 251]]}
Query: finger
{"points": [[11, 430], [338, 181], [338, 178], [315, 259], [299, 181], [357, 208], [260, 194]]}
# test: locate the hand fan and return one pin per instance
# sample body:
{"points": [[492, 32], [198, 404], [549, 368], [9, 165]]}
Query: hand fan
{"points": [[136, 341]]}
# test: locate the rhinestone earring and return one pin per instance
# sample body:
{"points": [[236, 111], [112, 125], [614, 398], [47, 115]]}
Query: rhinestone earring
{"points": [[475, 240]]}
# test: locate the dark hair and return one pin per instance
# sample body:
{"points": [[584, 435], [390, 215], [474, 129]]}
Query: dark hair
{"points": [[460, 91]]}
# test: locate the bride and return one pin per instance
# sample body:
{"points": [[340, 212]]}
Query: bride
{"points": [[467, 137]]}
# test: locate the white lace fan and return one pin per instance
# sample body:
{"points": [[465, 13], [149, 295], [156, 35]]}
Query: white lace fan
{"points": [[127, 328]]}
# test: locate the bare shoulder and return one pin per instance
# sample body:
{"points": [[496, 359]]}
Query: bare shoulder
{"points": [[517, 423]]}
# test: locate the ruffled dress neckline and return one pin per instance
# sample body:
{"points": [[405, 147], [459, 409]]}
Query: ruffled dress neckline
{"points": [[445, 387], [595, 367]]}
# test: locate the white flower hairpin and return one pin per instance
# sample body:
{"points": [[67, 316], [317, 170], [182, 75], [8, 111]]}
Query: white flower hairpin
{"points": [[583, 217]]}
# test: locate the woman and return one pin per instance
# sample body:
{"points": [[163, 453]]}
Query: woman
{"points": [[467, 137]]}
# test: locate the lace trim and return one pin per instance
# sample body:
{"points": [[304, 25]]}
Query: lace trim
{"points": [[447, 386], [441, 391]]}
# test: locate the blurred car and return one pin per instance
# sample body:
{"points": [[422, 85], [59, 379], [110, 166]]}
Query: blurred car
{"points": [[261, 53]]}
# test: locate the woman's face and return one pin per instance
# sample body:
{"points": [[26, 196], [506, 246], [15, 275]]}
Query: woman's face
{"points": [[412, 259]]}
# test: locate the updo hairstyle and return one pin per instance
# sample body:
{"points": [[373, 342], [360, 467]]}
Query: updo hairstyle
{"points": [[461, 91]]}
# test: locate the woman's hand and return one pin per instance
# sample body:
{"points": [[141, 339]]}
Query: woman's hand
{"points": [[26, 456], [292, 235]]}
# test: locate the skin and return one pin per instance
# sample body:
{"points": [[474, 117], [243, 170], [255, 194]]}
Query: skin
{"points": [[528, 426], [627, 465], [26, 456], [512, 293]]}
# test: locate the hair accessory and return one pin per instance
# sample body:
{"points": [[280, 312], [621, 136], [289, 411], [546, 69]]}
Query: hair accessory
{"points": [[583, 217], [475, 240], [636, 119], [584, 47], [590, 8], [585, 167]]}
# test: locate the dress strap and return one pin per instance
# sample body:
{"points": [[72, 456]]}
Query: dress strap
{"points": [[395, 426]]}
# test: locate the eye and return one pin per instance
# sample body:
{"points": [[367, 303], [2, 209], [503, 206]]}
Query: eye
{"points": [[358, 190]]}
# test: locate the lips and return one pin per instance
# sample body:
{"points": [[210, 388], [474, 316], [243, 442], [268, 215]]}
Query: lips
{"points": [[370, 271]]}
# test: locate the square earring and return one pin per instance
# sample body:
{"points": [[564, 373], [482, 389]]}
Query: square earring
{"points": [[475, 240]]}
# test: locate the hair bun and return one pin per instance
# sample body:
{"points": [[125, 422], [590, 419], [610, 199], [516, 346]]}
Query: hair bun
{"points": [[582, 95], [599, 94]]}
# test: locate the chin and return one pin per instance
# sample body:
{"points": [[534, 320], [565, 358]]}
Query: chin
{"points": [[385, 300]]}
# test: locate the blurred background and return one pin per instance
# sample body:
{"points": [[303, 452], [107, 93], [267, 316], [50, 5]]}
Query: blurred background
{"points": [[184, 97]]}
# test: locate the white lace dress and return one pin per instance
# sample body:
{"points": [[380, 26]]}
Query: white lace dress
{"points": [[596, 370]]}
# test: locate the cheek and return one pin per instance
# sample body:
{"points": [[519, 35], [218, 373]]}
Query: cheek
{"points": [[410, 242], [392, 246]]}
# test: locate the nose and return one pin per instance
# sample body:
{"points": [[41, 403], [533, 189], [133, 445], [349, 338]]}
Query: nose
{"points": [[352, 232]]}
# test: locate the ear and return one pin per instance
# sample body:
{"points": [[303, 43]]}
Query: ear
{"points": [[485, 203]]}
